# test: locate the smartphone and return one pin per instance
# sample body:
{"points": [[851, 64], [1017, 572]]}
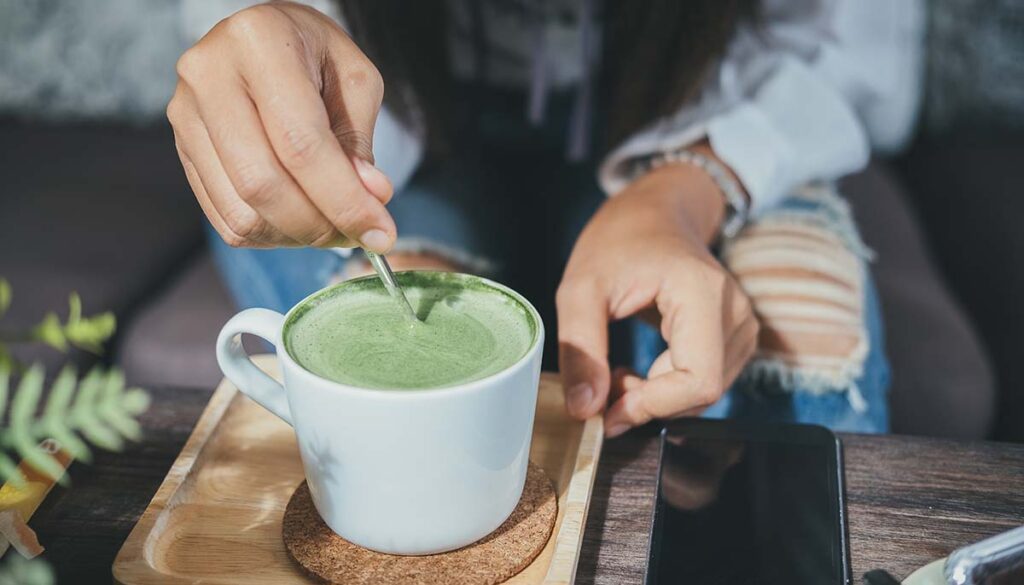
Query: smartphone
{"points": [[741, 503]]}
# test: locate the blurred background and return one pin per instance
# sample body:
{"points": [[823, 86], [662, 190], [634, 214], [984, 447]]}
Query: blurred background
{"points": [[94, 200]]}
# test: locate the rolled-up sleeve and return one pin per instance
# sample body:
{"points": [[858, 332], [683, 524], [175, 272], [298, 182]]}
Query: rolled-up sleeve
{"points": [[800, 97]]}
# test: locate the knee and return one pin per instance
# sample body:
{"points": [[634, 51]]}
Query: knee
{"points": [[808, 290]]}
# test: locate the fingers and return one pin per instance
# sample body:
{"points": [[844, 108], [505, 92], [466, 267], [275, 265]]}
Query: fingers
{"points": [[259, 180], [236, 222], [662, 365], [583, 348], [692, 325], [643, 400], [202, 196], [688, 376], [662, 393], [300, 132], [740, 349], [620, 379]]}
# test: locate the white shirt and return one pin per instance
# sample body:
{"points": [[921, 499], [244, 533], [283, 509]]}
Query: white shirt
{"points": [[802, 98]]}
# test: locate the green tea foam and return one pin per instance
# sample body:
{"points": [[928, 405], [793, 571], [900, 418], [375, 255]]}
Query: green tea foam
{"points": [[356, 334]]}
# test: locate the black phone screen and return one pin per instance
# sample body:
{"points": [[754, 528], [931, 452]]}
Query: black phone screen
{"points": [[743, 504]]}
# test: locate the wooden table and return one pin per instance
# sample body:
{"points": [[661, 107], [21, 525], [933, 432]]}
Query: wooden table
{"points": [[910, 500]]}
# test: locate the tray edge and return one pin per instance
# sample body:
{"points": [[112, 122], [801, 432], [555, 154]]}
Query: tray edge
{"points": [[569, 540], [130, 566]]}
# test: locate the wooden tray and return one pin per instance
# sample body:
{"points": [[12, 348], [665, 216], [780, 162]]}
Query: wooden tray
{"points": [[217, 516]]}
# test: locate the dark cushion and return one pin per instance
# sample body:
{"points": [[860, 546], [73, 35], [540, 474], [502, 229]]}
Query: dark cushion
{"points": [[942, 381], [969, 199], [171, 341], [103, 210]]}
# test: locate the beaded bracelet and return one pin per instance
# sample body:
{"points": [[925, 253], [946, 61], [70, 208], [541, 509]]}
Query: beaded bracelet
{"points": [[737, 205]]}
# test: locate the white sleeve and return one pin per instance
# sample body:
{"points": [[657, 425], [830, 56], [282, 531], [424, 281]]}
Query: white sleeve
{"points": [[397, 149], [800, 97]]}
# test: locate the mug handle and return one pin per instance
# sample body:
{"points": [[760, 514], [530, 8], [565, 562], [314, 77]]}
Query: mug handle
{"points": [[236, 365]]}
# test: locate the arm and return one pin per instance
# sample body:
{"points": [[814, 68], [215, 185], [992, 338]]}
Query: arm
{"points": [[799, 99], [786, 108]]}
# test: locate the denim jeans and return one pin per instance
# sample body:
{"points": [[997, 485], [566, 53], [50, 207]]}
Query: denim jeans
{"points": [[507, 206]]}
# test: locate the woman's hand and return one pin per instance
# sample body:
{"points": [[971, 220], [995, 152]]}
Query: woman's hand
{"points": [[273, 118], [646, 252]]}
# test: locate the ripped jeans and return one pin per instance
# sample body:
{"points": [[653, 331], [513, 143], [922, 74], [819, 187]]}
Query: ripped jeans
{"points": [[817, 283], [509, 207]]}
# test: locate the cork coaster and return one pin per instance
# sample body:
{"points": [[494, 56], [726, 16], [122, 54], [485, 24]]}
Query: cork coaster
{"points": [[324, 555]]}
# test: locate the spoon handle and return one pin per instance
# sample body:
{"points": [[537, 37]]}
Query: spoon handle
{"points": [[387, 276]]}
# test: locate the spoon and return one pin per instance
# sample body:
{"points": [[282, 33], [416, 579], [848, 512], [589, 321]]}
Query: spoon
{"points": [[387, 276]]}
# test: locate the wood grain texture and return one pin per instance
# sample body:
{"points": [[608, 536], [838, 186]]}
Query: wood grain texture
{"points": [[911, 499], [930, 497], [217, 516]]}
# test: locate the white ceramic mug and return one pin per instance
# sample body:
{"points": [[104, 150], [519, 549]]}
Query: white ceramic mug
{"points": [[407, 472]]}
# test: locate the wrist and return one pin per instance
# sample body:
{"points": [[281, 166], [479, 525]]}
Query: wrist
{"points": [[689, 195], [733, 196]]}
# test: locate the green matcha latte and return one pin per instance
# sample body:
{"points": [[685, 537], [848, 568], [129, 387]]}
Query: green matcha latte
{"points": [[355, 333]]}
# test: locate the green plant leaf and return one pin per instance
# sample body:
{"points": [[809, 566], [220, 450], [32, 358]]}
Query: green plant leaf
{"points": [[17, 570], [5, 386], [87, 333], [5, 296], [74, 308], [90, 334], [43, 462], [19, 433], [111, 408], [26, 397], [50, 332], [135, 401], [85, 413], [7, 363], [97, 409], [56, 413], [60, 394], [9, 471], [88, 387], [69, 441]]}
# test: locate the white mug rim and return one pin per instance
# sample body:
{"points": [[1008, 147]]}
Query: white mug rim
{"points": [[412, 393]]}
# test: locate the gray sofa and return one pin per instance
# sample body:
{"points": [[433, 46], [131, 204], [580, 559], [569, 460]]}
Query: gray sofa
{"points": [[105, 210]]}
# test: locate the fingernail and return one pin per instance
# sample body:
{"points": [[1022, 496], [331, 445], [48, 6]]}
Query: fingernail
{"points": [[615, 430], [578, 398], [375, 241]]}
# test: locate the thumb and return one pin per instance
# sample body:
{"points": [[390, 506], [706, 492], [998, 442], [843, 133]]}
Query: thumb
{"points": [[583, 349]]}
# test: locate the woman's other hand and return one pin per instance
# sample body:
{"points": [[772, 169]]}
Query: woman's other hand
{"points": [[645, 252], [273, 119]]}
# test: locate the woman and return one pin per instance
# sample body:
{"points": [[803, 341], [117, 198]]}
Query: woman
{"points": [[708, 122]]}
